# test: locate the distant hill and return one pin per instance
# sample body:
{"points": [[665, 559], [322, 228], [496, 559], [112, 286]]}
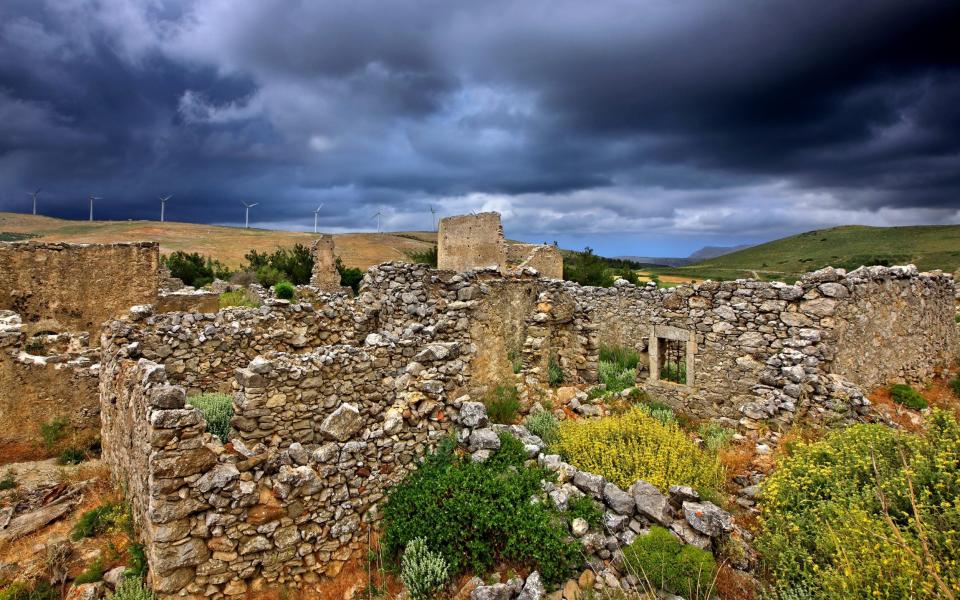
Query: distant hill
{"points": [[227, 244], [704, 253], [708, 252], [927, 246]]}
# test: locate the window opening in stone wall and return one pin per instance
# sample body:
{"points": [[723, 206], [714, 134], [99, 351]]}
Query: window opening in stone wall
{"points": [[673, 360]]}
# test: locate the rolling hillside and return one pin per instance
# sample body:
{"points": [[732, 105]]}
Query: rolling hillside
{"points": [[227, 244], [928, 246]]}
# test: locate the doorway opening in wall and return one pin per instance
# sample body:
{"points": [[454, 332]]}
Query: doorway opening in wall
{"points": [[673, 360]]}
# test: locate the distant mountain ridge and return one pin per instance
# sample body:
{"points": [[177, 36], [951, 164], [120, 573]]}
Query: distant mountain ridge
{"points": [[705, 253]]}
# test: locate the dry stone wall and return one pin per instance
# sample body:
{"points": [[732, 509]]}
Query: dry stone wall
{"points": [[769, 351], [76, 287], [42, 378]]}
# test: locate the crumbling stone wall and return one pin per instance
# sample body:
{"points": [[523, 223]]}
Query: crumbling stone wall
{"points": [[466, 242], [470, 242], [771, 351], [55, 379], [57, 286], [325, 275]]}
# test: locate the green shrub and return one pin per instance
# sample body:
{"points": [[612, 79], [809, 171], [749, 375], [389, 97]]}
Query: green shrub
{"points": [[516, 361], [867, 512], [217, 409], [195, 269], [715, 436], [9, 481], [132, 588], [93, 573], [554, 372], [424, 257], [636, 446], [349, 276], [239, 298], [107, 517], [586, 508], [476, 514], [543, 425], [269, 276], [662, 560], [659, 412], [615, 378], [53, 431], [422, 571], [284, 290], [21, 590], [502, 404], [136, 561], [907, 396], [622, 356], [955, 386], [71, 456]]}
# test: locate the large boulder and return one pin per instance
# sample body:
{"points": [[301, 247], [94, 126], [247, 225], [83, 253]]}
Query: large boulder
{"points": [[708, 518], [650, 502]]}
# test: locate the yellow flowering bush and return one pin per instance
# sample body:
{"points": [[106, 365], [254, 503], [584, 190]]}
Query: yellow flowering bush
{"points": [[867, 512], [635, 446]]}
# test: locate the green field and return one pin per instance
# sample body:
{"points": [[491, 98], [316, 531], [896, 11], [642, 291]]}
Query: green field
{"points": [[928, 247]]}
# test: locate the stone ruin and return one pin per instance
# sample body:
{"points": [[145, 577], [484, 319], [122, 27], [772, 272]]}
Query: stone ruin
{"points": [[325, 276], [475, 241], [336, 398]]}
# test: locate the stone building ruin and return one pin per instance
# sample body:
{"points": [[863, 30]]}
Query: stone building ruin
{"points": [[475, 241], [336, 397]]}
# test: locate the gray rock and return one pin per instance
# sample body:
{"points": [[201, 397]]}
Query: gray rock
{"points": [[707, 518], [689, 535], [579, 527], [218, 478], [682, 493], [342, 423], [86, 591], [114, 576], [533, 589], [484, 439], [619, 500], [298, 453], [589, 483], [651, 503], [497, 591], [473, 414], [260, 365]]}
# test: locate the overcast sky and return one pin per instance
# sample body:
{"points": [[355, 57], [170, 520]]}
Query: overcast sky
{"points": [[640, 127]]}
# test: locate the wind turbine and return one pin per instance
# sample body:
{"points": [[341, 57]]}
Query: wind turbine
{"points": [[316, 213], [246, 223], [92, 198], [433, 217], [34, 196], [377, 215], [163, 205]]}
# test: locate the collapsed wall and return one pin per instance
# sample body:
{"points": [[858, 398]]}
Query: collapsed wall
{"points": [[44, 378], [56, 286], [768, 351], [476, 241]]}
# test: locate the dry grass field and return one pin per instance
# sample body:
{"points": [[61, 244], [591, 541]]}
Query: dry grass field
{"points": [[227, 244]]}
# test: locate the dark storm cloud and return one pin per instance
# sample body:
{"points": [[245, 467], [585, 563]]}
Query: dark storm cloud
{"points": [[683, 118]]}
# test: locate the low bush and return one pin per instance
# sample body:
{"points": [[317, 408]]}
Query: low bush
{"points": [[615, 378], [659, 559], [349, 276], [22, 590], [269, 276], [955, 386], [109, 516], [907, 396], [543, 425], [244, 278], [476, 514], [284, 290], [636, 446], [867, 512], [195, 269], [715, 436], [555, 375], [136, 561], [424, 257], [53, 431], [9, 481], [423, 572], [516, 361], [622, 356], [92, 574], [586, 508], [132, 588], [71, 456], [503, 403], [243, 298], [217, 409]]}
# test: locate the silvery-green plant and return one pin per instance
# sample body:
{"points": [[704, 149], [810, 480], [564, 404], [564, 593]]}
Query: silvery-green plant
{"points": [[422, 571]]}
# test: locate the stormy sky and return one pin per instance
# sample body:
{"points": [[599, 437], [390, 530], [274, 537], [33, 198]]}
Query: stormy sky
{"points": [[645, 127]]}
